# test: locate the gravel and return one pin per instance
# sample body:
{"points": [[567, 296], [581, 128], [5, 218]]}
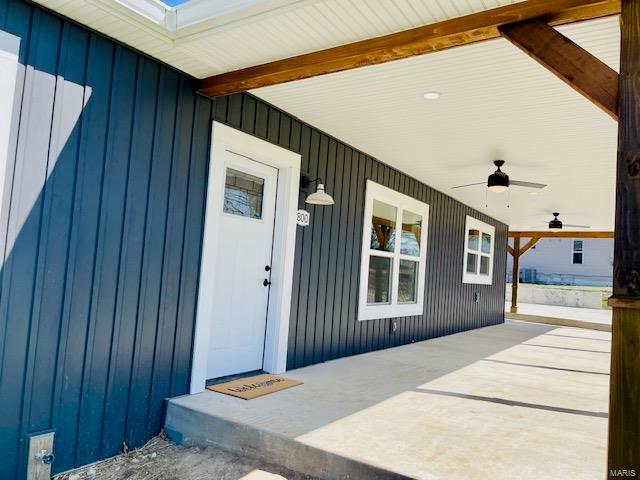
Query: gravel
{"points": [[162, 460]]}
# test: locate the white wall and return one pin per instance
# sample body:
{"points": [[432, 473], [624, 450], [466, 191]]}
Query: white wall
{"points": [[554, 256]]}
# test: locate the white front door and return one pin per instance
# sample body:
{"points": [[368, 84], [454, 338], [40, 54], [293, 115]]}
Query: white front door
{"points": [[244, 244]]}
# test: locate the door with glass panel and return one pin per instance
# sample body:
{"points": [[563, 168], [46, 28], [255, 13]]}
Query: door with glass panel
{"points": [[243, 262]]}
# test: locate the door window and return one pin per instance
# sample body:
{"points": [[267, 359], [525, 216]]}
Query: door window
{"points": [[243, 194]]}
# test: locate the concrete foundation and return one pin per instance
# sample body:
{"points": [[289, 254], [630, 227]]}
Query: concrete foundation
{"points": [[575, 297]]}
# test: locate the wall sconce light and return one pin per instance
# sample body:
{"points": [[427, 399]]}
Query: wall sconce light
{"points": [[319, 197]]}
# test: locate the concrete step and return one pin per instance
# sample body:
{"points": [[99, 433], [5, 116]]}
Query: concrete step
{"points": [[191, 427]]}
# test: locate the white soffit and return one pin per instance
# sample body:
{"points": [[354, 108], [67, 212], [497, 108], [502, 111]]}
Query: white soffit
{"points": [[497, 103], [207, 37]]}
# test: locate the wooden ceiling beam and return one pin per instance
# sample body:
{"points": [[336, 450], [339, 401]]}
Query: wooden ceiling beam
{"points": [[455, 32], [571, 63], [559, 234]]}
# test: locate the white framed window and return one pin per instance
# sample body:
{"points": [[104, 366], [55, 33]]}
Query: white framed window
{"points": [[479, 240], [394, 252], [577, 252]]}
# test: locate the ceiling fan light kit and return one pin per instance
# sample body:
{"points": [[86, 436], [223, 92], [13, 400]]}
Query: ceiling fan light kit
{"points": [[499, 181], [557, 224]]}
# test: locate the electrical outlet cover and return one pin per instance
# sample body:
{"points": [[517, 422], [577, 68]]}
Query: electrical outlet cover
{"points": [[36, 468]]}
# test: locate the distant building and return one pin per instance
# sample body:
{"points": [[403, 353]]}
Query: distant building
{"points": [[563, 261]]}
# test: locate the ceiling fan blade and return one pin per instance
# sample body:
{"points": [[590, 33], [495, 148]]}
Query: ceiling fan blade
{"points": [[469, 185], [518, 183], [575, 226]]}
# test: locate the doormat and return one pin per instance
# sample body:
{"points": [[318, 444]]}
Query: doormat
{"points": [[253, 387]]}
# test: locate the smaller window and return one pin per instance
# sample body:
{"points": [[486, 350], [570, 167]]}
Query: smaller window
{"points": [[577, 252], [478, 252]]}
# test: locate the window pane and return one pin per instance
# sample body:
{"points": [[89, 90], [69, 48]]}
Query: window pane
{"points": [[378, 287], [486, 243], [383, 227], [484, 265], [474, 240], [411, 230], [243, 194], [472, 263], [577, 258], [408, 281], [577, 245]]}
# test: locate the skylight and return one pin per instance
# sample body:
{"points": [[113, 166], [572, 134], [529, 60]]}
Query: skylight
{"points": [[174, 3]]}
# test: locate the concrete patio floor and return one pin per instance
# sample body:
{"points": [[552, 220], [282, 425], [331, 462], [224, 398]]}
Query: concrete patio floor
{"points": [[512, 401]]}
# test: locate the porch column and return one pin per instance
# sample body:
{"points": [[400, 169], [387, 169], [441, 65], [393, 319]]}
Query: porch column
{"points": [[624, 398], [515, 277]]}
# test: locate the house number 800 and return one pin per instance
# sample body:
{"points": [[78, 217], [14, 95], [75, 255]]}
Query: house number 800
{"points": [[302, 218]]}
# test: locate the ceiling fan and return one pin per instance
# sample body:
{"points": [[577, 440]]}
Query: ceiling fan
{"points": [[499, 181], [557, 224]]}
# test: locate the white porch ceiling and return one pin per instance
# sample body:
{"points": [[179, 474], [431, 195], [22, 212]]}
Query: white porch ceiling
{"points": [[207, 37], [496, 102]]}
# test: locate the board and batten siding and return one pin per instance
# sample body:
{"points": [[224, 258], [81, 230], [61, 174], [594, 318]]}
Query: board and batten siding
{"points": [[101, 234], [323, 322], [101, 241]]}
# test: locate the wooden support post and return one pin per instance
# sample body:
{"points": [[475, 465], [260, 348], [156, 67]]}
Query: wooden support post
{"points": [[624, 398], [515, 279]]}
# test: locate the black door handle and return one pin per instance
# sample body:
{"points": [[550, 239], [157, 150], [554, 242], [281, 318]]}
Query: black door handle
{"points": [[267, 268], [266, 282]]}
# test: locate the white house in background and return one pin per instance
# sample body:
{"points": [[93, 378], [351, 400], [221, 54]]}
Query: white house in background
{"points": [[567, 261]]}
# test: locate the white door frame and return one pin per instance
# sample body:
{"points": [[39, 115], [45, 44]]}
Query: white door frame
{"points": [[225, 138], [9, 51]]}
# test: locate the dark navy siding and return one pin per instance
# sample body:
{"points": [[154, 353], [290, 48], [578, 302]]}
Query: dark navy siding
{"points": [[101, 242], [323, 323]]}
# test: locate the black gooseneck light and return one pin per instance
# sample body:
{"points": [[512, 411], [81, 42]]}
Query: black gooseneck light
{"points": [[319, 197]]}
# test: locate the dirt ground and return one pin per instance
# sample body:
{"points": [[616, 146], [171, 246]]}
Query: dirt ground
{"points": [[162, 460]]}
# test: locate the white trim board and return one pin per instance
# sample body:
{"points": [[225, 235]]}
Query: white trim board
{"points": [[225, 138], [9, 50]]}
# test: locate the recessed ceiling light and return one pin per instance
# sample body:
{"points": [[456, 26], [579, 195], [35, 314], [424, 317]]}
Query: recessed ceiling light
{"points": [[432, 95]]}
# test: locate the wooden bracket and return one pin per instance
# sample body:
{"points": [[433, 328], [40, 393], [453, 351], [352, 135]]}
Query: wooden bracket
{"points": [[571, 63], [521, 251], [530, 244]]}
